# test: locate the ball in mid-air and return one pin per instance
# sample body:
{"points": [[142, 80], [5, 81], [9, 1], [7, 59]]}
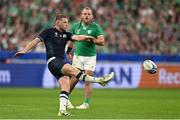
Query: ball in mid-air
{"points": [[150, 66]]}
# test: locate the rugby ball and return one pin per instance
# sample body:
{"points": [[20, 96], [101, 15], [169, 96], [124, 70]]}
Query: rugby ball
{"points": [[150, 66]]}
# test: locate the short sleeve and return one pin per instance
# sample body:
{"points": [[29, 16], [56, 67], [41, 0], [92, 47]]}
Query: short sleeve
{"points": [[43, 35], [99, 30], [70, 36]]}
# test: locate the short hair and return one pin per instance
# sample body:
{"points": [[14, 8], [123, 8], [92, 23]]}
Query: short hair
{"points": [[87, 8], [60, 16]]}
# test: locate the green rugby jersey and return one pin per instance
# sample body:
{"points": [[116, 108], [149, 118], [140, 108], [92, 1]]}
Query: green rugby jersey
{"points": [[86, 48]]}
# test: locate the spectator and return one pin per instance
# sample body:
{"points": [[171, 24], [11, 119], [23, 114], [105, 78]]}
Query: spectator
{"points": [[130, 25]]}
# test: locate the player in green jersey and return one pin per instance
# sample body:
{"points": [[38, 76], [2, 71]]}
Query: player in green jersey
{"points": [[85, 52]]}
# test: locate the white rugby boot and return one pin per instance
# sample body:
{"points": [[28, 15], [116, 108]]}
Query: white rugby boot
{"points": [[64, 113], [83, 106], [69, 105], [107, 78]]}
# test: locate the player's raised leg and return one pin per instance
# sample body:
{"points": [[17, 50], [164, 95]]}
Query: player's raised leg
{"points": [[80, 75], [71, 71]]}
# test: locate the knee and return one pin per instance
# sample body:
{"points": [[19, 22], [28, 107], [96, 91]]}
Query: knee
{"points": [[67, 68]]}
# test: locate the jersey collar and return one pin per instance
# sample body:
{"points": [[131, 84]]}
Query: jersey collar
{"points": [[87, 26], [61, 31]]}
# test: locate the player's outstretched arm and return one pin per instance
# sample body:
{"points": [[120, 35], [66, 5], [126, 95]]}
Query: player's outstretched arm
{"points": [[99, 41], [82, 38], [28, 47]]}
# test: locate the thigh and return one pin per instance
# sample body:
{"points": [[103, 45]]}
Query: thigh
{"points": [[89, 63], [55, 67], [78, 62]]}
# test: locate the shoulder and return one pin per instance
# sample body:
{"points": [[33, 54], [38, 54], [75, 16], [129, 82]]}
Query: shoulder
{"points": [[50, 29], [68, 33], [45, 33], [75, 24], [47, 30], [98, 28], [95, 24]]}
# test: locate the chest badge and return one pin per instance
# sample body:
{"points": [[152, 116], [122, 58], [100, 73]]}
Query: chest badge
{"points": [[89, 31], [64, 35], [77, 32], [55, 34]]}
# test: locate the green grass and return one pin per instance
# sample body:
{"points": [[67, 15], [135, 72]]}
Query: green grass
{"points": [[36, 103]]}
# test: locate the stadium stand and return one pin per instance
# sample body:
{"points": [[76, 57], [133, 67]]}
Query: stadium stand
{"points": [[131, 26]]}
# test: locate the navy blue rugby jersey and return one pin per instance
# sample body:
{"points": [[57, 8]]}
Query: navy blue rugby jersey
{"points": [[55, 42]]}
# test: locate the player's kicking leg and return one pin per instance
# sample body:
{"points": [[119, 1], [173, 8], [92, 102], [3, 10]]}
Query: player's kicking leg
{"points": [[101, 80], [71, 71]]}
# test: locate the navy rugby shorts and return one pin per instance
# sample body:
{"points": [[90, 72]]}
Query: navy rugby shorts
{"points": [[55, 65]]}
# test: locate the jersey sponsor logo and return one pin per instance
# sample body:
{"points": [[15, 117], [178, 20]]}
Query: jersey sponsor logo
{"points": [[5, 76], [89, 31]]}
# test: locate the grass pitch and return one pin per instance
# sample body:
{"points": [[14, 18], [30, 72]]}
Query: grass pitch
{"points": [[37, 103]]}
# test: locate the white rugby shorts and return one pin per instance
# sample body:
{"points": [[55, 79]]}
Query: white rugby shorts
{"points": [[84, 62]]}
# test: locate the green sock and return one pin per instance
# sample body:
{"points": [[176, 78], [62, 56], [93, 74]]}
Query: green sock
{"points": [[87, 100]]}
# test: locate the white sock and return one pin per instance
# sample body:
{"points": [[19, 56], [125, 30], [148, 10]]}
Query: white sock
{"points": [[89, 78], [84, 77], [92, 79], [63, 98]]}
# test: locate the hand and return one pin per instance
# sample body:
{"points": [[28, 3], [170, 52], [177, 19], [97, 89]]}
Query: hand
{"points": [[19, 53], [69, 56], [91, 37], [93, 41]]}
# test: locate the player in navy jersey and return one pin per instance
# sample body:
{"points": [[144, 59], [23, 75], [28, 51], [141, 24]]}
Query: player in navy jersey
{"points": [[55, 40]]}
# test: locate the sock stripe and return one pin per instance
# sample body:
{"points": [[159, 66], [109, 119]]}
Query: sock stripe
{"points": [[79, 74], [84, 77], [63, 95], [64, 92]]}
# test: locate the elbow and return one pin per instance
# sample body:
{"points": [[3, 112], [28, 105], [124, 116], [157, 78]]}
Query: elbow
{"points": [[75, 38], [102, 44]]}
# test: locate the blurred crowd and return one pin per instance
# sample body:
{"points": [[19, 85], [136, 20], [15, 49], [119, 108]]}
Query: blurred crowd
{"points": [[130, 26]]}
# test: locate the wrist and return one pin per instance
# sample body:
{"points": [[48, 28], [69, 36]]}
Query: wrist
{"points": [[93, 41], [24, 51], [68, 50]]}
